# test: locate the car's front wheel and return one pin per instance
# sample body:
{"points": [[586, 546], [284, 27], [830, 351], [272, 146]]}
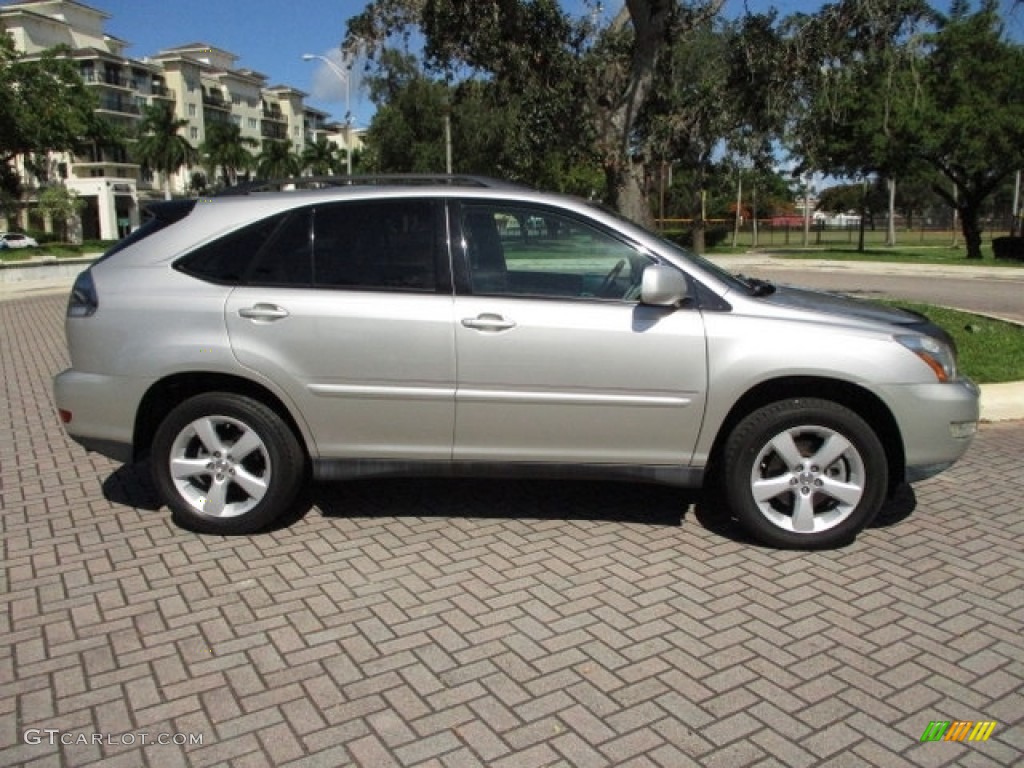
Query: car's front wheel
{"points": [[227, 464], [804, 473]]}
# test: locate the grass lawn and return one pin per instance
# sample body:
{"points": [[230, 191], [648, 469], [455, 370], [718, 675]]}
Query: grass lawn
{"points": [[991, 351]]}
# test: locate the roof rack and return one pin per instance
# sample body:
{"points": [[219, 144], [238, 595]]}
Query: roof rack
{"points": [[378, 179]]}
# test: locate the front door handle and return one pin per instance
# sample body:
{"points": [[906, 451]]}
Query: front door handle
{"points": [[488, 322], [266, 312]]}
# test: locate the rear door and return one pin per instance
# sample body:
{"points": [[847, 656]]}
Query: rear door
{"points": [[348, 308]]}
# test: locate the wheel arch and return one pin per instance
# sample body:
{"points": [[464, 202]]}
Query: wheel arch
{"points": [[171, 391], [861, 401]]}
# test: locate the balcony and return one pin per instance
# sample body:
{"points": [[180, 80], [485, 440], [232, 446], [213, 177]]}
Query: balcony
{"points": [[120, 106], [216, 100], [110, 78], [161, 92], [273, 131]]}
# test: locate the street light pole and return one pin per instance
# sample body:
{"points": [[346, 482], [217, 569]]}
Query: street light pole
{"points": [[347, 80]]}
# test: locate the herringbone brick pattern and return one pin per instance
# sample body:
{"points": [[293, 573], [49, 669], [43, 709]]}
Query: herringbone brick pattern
{"points": [[489, 623]]}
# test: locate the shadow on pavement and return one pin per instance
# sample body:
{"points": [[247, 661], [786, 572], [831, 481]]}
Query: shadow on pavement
{"points": [[519, 499], [635, 503]]}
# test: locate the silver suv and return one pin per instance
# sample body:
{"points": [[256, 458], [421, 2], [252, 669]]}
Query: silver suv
{"points": [[463, 326]]}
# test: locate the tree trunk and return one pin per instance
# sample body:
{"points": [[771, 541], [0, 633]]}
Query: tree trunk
{"points": [[739, 210], [970, 219], [626, 193], [650, 20], [890, 238], [753, 215]]}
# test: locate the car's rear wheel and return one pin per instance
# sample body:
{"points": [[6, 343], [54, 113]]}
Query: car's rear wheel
{"points": [[804, 473], [225, 463]]}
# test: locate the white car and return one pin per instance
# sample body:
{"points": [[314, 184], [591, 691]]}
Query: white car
{"points": [[16, 240]]}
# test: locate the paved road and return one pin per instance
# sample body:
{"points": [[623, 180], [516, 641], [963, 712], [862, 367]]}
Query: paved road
{"points": [[490, 623], [996, 291]]}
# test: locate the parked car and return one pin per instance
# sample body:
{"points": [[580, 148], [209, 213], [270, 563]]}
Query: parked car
{"points": [[16, 240], [464, 326]]}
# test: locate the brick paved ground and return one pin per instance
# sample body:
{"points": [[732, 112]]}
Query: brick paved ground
{"points": [[498, 624]]}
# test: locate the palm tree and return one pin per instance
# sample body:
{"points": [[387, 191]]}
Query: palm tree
{"points": [[277, 161], [322, 158], [160, 146], [226, 148]]}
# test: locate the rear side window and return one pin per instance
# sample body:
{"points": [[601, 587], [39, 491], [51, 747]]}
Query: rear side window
{"points": [[364, 245], [377, 245]]}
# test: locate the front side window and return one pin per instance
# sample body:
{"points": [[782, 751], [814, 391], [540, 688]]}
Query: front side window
{"points": [[539, 252]]}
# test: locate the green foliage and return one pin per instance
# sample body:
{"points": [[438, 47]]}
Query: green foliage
{"points": [[227, 150], [970, 127], [859, 89], [323, 158], [160, 146], [44, 107], [61, 204], [278, 161]]}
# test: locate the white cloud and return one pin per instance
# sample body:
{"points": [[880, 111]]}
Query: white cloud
{"points": [[329, 80]]}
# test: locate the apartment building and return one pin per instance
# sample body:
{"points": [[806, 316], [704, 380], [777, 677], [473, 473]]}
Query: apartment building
{"points": [[203, 84]]}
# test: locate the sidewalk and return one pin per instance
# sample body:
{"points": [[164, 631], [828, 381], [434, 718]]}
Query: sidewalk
{"points": [[754, 259], [999, 402]]}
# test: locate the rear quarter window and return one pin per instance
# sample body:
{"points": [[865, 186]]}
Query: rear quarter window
{"points": [[228, 259]]}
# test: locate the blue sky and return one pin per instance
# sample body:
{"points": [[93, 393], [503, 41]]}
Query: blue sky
{"points": [[270, 36]]}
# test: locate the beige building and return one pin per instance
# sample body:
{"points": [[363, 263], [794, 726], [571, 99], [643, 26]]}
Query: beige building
{"points": [[203, 83]]}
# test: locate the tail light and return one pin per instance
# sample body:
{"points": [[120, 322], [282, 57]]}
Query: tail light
{"points": [[84, 300]]}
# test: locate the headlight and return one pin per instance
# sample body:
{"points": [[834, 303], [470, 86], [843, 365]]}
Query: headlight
{"points": [[936, 355]]}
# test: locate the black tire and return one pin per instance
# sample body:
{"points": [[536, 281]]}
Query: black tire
{"points": [[218, 491], [832, 485]]}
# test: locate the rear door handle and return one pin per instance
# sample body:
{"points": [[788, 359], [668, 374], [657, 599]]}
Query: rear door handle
{"points": [[488, 322], [266, 312]]}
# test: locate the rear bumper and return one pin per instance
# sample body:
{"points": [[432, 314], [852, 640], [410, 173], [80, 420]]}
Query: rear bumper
{"points": [[102, 410]]}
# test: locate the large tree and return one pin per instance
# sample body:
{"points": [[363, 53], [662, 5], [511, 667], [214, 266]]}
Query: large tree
{"points": [[570, 78], [971, 125], [856, 88], [161, 146], [44, 107]]}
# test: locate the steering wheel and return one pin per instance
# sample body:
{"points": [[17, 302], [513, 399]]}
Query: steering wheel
{"points": [[609, 281]]}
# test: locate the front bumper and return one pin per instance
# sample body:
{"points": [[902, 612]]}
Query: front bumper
{"points": [[937, 422]]}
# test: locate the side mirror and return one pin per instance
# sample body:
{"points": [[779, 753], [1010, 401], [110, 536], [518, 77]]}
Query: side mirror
{"points": [[663, 286]]}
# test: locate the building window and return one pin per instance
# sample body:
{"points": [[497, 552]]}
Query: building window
{"points": [[191, 110], [193, 133], [253, 123]]}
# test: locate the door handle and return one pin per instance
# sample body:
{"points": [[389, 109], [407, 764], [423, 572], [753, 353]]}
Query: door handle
{"points": [[488, 322], [263, 312]]}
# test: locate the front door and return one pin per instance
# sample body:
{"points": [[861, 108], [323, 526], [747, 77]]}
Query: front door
{"points": [[557, 359]]}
